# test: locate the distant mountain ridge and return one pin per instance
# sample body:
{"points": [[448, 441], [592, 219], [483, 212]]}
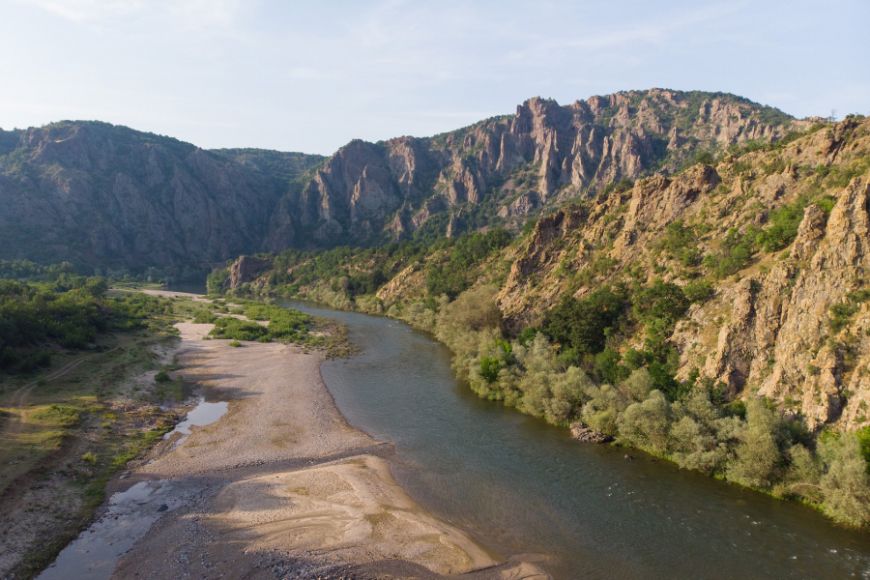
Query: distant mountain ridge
{"points": [[107, 196]]}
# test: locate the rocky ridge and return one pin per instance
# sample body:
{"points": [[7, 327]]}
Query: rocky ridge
{"points": [[507, 168], [778, 310], [790, 323], [109, 198]]}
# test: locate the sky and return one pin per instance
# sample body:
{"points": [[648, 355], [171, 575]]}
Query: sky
{"points": [[309, 76]]}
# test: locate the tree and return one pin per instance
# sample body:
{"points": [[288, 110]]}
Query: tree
{"points": [[638, 385], [757, 454], [846, 485], [602, 409], [582, 324], [695, 447], [804, 472], [567, 393], [661, 301], [646, 424]]}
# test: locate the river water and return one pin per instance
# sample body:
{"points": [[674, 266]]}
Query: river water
{"points": [[522, 487]]}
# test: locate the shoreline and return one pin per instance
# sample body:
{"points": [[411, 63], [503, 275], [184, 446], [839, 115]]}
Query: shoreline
{"points": [[284, 484]]}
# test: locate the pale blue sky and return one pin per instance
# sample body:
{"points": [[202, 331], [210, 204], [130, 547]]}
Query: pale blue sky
{"points": [[310, 76]]}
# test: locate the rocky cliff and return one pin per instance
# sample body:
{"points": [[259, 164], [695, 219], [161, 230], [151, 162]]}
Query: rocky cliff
{"points": [[112, 198], [769, 245], [780, 237], [504, 169]]}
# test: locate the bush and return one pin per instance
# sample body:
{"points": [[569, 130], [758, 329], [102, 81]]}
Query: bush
{"points": [[757, 455], [455, 273], [489, 368], [734, 254], [204, 316], [472, 312], [695, 446], [71, 311], [782, 227], [229, 327], [698, 291], [661, 301], [680, 242], [845, 486], [602, 408], [582, 325], [646, 425]]}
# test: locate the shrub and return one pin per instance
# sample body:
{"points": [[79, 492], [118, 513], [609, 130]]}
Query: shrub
{"points": [[602, 408], [845, 486], [489, 368], [567, 392], [757, 455], [229, 327], [454, 274], [474, 310], [782, 227], [804, 472], [646, 424], [695, 446], [662, 301], [734, 254], [698, 291], [204, 316], [582, 324]]}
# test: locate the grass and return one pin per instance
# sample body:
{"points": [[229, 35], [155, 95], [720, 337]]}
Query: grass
{"points": [[66, 430]]}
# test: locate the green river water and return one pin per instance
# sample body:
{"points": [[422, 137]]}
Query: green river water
{"points": [[522, 487]]}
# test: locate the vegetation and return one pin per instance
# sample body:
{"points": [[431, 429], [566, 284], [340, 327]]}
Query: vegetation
{"points": [[38, 319], [68, 427], [454, 274], [605, 355], [284, 324], [694, 427]]}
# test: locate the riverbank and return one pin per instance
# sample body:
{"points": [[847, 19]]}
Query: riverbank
{"points": [[282, 484], [65, 431]]}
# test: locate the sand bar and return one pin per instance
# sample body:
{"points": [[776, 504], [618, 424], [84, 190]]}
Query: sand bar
{"points": [[284, 487]]}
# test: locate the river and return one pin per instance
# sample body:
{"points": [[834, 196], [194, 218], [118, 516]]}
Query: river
{"points": [[522, 487]]}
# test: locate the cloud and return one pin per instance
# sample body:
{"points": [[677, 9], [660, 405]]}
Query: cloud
{"points": [[625, 37], [189, 13], [87, 10]]}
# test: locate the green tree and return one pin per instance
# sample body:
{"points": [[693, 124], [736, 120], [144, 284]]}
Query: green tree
{"points": [[582, 325], [845, 486], [757, 455], [646, 424]]}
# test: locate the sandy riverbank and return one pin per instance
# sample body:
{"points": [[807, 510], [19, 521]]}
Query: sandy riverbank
{"points": [[287, 487]]}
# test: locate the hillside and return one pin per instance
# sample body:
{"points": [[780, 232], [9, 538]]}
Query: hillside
{"points": [[107, 197], [718, 316]]}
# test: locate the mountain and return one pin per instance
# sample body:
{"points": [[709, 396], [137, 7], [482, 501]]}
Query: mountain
{"points": [[506, 168], [717, 316], [113, 198], [770, 245], [109, 197]]}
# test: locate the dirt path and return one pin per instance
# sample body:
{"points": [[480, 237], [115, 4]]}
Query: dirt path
{"points": [[19, 398]]}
